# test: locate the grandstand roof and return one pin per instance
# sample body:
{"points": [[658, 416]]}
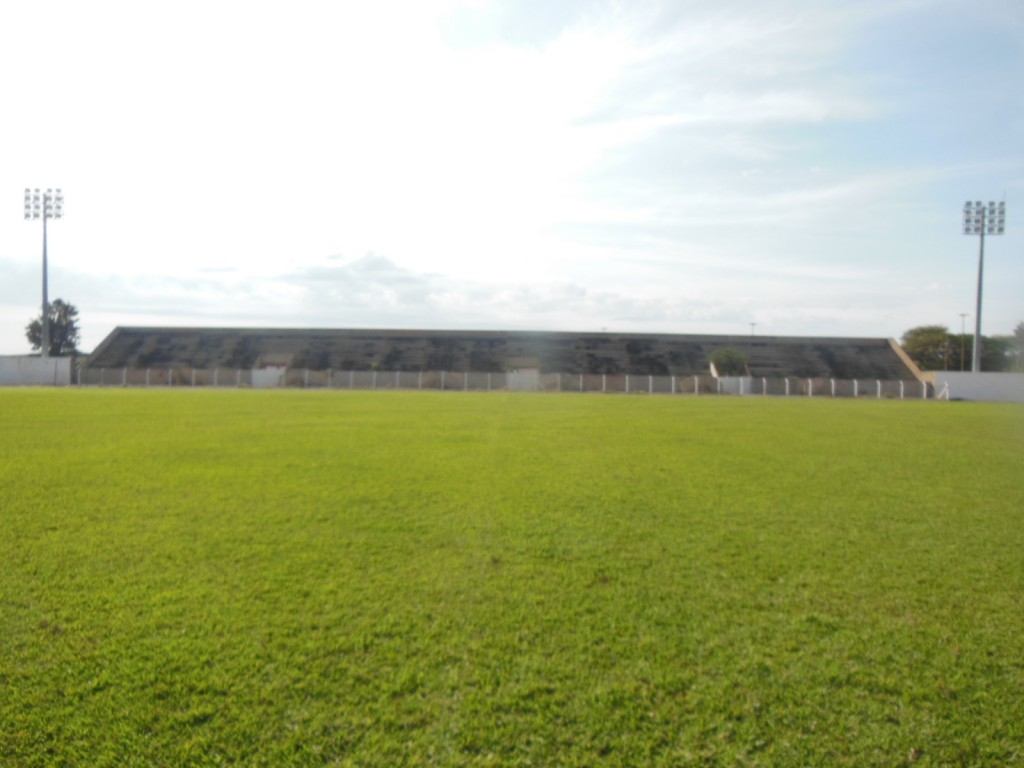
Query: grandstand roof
{"points": [[565, 352]]}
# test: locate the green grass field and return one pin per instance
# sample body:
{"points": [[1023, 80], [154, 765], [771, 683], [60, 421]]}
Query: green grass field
{"points": [[379, 579]]}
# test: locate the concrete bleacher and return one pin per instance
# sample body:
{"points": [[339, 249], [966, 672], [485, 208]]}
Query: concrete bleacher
{"points": [[496, 351]]}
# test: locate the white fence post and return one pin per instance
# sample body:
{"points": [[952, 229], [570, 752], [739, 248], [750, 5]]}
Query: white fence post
{"points": [[894, 388]]}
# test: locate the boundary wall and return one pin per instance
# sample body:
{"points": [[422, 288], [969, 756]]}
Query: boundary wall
{"points": [[991, 387], [32, 371], [483, 382]]}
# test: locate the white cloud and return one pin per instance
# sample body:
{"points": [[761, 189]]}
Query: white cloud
{"points": [[581, 164]]}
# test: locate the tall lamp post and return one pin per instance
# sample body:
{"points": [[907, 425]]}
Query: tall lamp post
{"points": [[44, 205], [981, 219], [963, 333]]}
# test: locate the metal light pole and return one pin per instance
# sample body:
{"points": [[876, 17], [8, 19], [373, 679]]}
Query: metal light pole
{"points": [[963, 332], [44, 205], [981, 219]]}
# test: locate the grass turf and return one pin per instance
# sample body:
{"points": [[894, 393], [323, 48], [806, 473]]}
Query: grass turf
{"points": [[299, 578]]}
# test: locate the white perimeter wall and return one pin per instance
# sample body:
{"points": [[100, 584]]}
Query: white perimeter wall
{"points": [[266, 378], [736, 385], [995, 387], [35, 371], [527, 380]]}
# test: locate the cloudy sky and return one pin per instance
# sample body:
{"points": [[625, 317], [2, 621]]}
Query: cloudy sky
{"points": [[688, 167]]}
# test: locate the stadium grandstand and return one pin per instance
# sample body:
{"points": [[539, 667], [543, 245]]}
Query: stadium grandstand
{"points": [[497, 351]]}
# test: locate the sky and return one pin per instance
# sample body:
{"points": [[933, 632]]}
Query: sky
{"points": [[778, 167]]}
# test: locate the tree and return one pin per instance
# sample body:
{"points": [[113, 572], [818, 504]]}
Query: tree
{"points": [[63, 329], [729, 362], [932, 347], [1018, 347], [996, 353]]}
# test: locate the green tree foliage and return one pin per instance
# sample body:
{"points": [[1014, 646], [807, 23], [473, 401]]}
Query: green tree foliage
{"points": [[729, 362], [934, 348], [1017, 353], [996, 353], [63, 329]]}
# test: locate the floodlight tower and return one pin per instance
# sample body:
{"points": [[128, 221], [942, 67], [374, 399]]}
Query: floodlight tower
{"points": [[963, 333], [981, 219], [44, 205]]}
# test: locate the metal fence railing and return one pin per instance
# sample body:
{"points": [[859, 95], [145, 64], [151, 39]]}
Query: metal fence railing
{"points": [[514, 381]]}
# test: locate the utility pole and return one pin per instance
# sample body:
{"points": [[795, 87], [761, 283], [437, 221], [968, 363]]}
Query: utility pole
{"points": [[963, 340]]}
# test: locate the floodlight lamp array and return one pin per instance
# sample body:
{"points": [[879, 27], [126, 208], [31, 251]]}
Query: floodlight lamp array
{"points": [[984, 218], [48, 204]]}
